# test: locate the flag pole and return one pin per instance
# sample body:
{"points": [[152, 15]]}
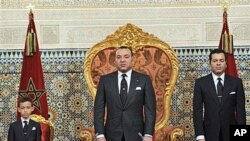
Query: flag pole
{"points": [[31, 79], [226, 41]]}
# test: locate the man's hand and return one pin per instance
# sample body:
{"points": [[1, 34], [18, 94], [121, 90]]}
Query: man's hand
{"points": [[146, 138], [101, 139]]}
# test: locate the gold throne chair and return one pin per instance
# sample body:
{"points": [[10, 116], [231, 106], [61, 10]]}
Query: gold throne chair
{"points": [[151, 56]]}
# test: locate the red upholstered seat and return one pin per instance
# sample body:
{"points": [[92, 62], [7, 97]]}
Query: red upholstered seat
{"points": [[45, 132]]}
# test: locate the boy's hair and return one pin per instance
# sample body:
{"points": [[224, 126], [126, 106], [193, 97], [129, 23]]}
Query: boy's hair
{"points": [[24, 99]]}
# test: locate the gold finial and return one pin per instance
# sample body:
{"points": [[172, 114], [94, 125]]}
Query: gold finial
{"points": [[30, 7], [226, 4]]}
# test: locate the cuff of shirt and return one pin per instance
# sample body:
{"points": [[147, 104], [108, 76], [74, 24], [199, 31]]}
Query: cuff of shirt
{"points": [[147, 135], [99, 136], [200, 137]]}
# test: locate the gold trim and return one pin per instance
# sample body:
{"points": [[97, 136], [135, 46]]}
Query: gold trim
{"points": [[86, 135], [41, 119], [176, 134]]}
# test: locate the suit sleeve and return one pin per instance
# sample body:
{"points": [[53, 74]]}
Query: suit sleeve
{"points": [[198, 109], [11, 133], [240, 106], [149, 107], [99, 108]]}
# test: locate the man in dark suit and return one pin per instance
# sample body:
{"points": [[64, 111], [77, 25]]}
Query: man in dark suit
{"points": [[222, 98], [129, 100], [24, 129]]}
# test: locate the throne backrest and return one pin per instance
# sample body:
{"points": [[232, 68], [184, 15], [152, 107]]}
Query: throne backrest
{"points": [[151, 56]]}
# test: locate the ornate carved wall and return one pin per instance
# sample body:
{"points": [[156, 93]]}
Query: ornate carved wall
{"points": [[101, 3], [82, 23]]}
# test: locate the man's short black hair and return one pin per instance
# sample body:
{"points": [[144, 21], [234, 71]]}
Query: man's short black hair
{"points": [[216, 51], [126, 47]]}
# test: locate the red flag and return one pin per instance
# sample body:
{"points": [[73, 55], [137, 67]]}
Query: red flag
{"points": [[32, 82], [226, 43]]}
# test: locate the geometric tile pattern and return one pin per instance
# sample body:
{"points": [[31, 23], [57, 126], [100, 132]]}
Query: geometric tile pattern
{"points": [[194, 64], [70, 104]]}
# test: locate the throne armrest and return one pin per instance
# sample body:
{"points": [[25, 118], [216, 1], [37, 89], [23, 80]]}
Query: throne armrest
{"points": [[169, 133], [46, 127], [87, 134]]}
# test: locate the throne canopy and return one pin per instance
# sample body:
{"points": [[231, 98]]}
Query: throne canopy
{"points": [[152, 57]]}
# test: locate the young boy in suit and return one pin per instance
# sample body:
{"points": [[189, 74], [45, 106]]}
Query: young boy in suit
{"points": [[24, 129]]}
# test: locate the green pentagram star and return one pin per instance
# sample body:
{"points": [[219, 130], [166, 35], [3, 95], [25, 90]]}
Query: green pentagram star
{"points": [[31, 90]]}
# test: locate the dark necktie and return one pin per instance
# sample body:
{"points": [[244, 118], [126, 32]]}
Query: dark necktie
{"points": [[219, 89], [25, 128], [123, 90]]}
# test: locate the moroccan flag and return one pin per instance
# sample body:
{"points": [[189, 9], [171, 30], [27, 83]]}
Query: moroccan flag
{"points": [[31, 81], [226, 43]]}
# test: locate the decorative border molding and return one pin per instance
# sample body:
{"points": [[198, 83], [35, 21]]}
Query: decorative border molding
{"points": [[117, 3], [81, 52]]}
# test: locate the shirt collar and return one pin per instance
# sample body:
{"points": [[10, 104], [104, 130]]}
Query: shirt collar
{"points": [[128, 73], [22, 119], [215, 77]]}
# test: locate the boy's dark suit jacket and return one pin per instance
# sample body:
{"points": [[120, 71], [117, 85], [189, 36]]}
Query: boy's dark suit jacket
{"points": [[231, 110], [16, 131], [128, 118]]}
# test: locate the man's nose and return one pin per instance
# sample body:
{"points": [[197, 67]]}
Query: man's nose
{"points": [[122, 59]]}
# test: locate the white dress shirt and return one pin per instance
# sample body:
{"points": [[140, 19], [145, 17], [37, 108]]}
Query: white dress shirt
{"points": [[128, 78], [22, 119]]}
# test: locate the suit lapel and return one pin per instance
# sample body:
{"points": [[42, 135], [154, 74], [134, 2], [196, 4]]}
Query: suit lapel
{"points": [[133, 84], [226, 89], [213, 89], [20, 128], [114, 84], [30, 126]]}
